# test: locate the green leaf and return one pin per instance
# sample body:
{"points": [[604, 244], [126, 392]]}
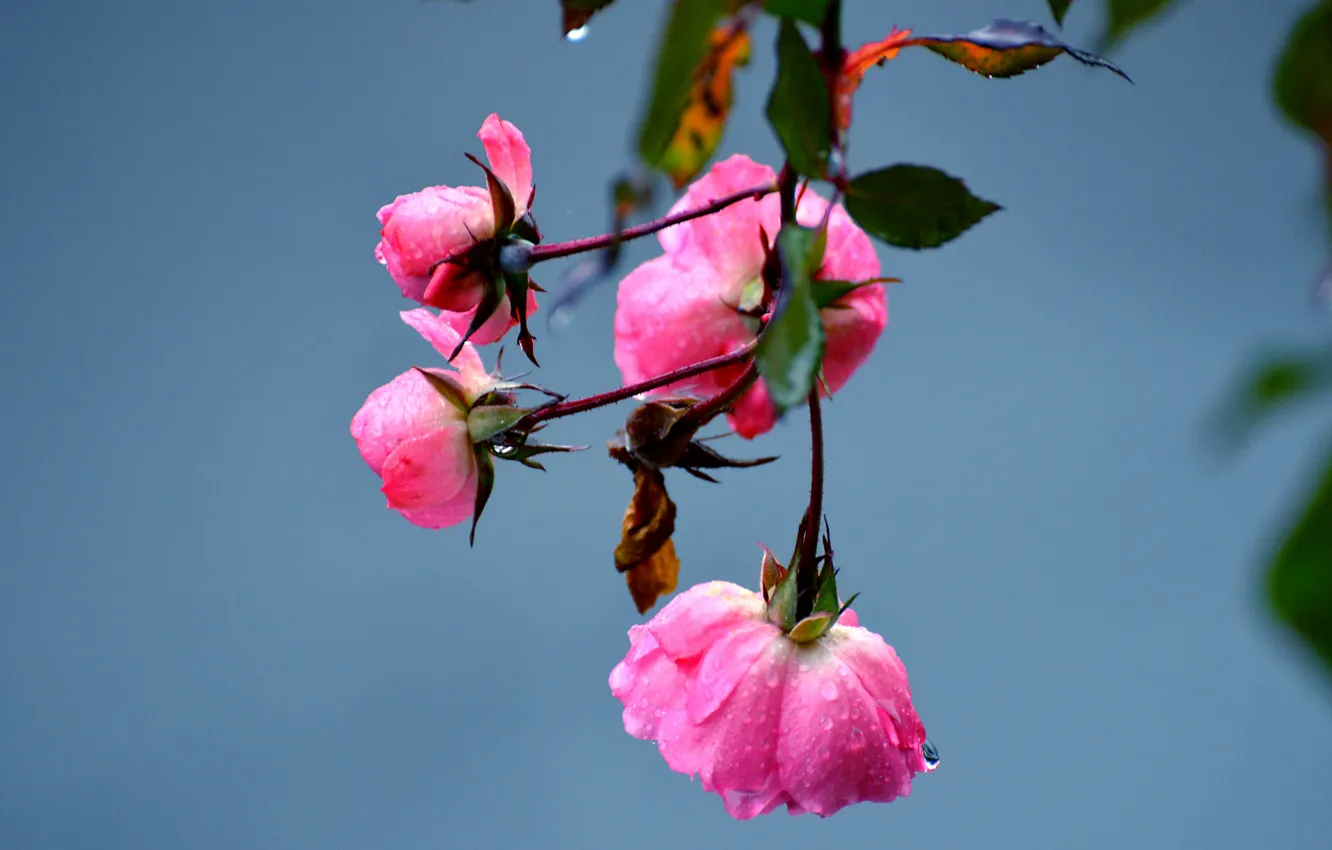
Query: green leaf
{"points": [[914, 206], [799, 108], [1272, 386], [1122, 16], [485, 421], [809, 11], [1006, 48], [1059, 8], [791, 348], [1299, 580], [684, 45], [485, 482], [1303, 81]]}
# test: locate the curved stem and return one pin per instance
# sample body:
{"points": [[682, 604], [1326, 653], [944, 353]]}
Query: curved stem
{"points": [[580, 405], [555, 250], [705, 411]]}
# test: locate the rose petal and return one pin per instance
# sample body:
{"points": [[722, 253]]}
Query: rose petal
{"points": [[403, 409], [510, 159], [458, 508], [494, 328], [440, 332], [729, 240], [693, 620], [424, 227], [429, 470]]}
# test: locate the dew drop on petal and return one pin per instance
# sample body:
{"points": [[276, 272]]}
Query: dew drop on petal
{"points": [[829, 690], [931, 755], [825, 722]]}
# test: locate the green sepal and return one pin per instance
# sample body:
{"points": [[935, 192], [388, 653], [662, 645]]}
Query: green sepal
{"points": [[486, 420], [842, 610], [812, 627], [446, 387], [490, 301], [828, 292], [501, 199], [526, 228], [517, 285], [485, 482], [782, 606], [771, 572], [825, 599]]}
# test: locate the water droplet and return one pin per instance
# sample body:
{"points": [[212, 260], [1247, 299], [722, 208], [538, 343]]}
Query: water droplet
{"points": [[576, 35], [825, 722], [828, 690], [931, 755]]}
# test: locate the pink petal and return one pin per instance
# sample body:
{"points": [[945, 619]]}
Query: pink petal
{"points": [[728, 239], [670, 314], [853, 327], [833, 751], [693, 620], [458, 508], [440, 332], [455, 288], [424, 227], [884, 677], [724, 665], [848, 618], [647, 682], [403, 409], [510, 158], [753, 413], [431, 469]]}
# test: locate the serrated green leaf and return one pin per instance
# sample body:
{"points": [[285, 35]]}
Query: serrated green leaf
{"points": [[683, 46], [791, 348], [1123, 16], [1006, 48], [1059, 8], [809, 11], [914, 206], [1303, 80], [799, 107], [1299, 580]]}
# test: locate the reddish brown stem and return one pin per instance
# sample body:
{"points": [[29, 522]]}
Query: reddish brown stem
{"points": [[705, 411], [580, 405], [807, 572], [606, 240]]}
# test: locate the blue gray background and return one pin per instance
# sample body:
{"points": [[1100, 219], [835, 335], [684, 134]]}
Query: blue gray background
{"points": [[214, 635]]}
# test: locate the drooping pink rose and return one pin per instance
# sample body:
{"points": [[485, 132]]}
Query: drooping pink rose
{"points": [[680, 308], [420, 229], [416, 440], [764, 720]]}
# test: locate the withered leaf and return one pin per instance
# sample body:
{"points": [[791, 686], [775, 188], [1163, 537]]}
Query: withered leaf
{"points": [[646, 554]]}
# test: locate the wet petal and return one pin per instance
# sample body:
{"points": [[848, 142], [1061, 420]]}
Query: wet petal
{"points": [[403, 409], [510, 158], [430, 469]]}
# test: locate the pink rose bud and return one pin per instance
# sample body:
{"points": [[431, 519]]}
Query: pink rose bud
{"points": [[765, 720], [422, 230], [413, 431], [690, 304]]}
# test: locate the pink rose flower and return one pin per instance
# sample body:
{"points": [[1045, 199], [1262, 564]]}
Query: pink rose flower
{"points": [[680, 308], [417, 441], [420, 229], [764, 720]]}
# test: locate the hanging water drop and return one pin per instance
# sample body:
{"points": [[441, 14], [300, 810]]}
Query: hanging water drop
{"points": [[931, 755], [576, 35]]}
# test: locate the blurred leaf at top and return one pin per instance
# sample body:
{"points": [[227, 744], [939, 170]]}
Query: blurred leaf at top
{"points": [[1272, 386], [799, 108], [709, 103], [1123, 16], [857, 62], [809, 11], [1299, 580], [791, 348], [683, 47], [1059, 8], [1303, 81], [914, 206], [1006, 48], [576, 13]]}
